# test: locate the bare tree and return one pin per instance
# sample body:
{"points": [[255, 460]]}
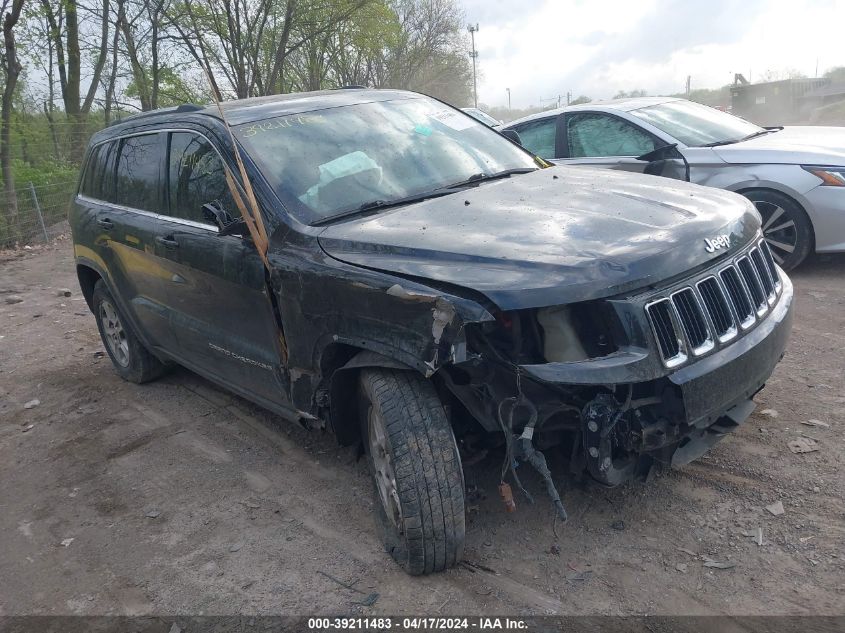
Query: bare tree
{"points": [[69, 61], [12, 70]]}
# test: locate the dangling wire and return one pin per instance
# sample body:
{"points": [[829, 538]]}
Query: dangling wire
{"points": [[507, 430]]}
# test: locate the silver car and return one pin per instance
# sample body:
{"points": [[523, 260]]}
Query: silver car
{"points": [[794, 175]]}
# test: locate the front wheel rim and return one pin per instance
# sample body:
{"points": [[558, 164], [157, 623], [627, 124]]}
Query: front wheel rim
{"points": [[114, 334], [779, 230], [383, 472]]}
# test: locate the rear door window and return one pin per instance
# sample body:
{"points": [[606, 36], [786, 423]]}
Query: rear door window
{"points": [[593, 134], [196, 176], [539, 137], [137, 176]]}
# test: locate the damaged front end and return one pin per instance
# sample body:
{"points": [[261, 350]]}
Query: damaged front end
{"points": [[621, 385]]}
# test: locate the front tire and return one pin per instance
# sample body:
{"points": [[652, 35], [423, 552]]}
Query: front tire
{"points": [[786, 227], [130, 358], [416, 468]]}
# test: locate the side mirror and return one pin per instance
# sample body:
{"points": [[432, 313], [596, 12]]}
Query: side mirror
{"points": [[512, 135], [659, 159], [226, 224]]}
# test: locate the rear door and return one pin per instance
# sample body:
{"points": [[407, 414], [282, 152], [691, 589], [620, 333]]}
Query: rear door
{"points": [[539, 136], [125, 196], [220, 307]]}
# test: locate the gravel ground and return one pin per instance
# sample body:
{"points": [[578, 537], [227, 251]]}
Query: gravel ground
{"points": [[179, 498]]}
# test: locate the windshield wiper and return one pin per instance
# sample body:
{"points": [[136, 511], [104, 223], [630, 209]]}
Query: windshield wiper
{"points": [[744, 138], [481, 177], [377, 205]]}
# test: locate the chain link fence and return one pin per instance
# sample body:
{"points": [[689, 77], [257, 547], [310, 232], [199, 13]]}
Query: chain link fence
{"points": [[39, 208], [46, 152]]}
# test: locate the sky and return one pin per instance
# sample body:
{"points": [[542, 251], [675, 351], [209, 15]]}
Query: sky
{"points": [[541, 49]]}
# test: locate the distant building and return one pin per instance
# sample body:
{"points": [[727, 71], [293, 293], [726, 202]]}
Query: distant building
{"points": [[823, 96], [774, 102]]}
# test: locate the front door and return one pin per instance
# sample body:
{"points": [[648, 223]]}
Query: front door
{"points": [[600, 139], [219, 302]]}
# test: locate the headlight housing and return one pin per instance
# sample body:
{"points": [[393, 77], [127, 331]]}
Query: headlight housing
{"points": [[831, 176]]}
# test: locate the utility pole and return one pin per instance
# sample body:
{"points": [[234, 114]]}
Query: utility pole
{"points": [[509, 98], [689, 81], [568, 97], [474, 54]]}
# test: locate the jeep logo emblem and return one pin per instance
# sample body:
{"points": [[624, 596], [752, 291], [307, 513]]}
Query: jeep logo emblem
{"points": [[720, 241]]}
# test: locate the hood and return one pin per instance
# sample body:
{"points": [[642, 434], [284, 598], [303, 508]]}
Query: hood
{"points": [[798, 145], [549, 237]]}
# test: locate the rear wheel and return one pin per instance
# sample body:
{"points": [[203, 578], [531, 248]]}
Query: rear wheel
{"points": [[786, 227], [130, 358], [416, 469]]}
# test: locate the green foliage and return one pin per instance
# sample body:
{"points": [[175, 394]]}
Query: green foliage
{"points": [[49, 172], [580, 100], [53, 183], [173, 88]]}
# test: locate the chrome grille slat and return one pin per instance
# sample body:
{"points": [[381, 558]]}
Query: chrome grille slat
{"points": [[752, 283], [663, 322], [693, 321], [763, 273], [740, 299], [770, 263], [717, 307]]}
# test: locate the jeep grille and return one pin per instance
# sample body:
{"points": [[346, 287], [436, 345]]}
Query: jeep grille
{"points": [[697, 317]]}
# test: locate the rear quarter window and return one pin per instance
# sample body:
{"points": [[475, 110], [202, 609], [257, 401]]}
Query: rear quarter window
{"points": [[98, 180]]}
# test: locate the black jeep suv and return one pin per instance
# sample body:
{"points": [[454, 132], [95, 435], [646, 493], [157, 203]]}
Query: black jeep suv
{"points": [[425, 280]]}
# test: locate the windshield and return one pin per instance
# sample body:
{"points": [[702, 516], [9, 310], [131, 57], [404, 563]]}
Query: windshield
{"points": [[482, 116], [694, 124], [327, 162]]}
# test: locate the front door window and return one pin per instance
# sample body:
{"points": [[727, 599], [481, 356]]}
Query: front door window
{"points": [[594, 134]]}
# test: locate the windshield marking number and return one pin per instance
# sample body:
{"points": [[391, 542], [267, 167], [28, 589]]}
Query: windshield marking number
{"points": [[280, 124]]}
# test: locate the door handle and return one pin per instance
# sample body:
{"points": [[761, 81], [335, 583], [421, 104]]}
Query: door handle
{"points": [[105, 223], [168, 242]]}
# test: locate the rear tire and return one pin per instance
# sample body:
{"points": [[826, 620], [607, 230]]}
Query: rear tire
{"points": [[416, 468], [130, 358], [786, 226]]}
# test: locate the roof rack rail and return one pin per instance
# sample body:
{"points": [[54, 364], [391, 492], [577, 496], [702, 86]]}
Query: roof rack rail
{"points": [[185, 107], [189, 107], [350, 87]]}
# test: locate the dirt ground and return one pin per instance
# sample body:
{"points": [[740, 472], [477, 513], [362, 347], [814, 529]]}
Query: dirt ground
{"points": [[179, 498]]}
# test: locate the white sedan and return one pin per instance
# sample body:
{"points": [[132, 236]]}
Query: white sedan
{"points": [[794, 175]]}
